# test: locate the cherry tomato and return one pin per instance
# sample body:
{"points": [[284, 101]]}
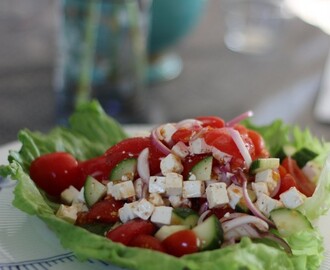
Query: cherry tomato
{"points": [[126, 232], [105, 211], [54, 172], [181, 243], [302, 183], [182, 135], [259, 144], [132, 147], [287, 182], [211, 121], [147, 241]]}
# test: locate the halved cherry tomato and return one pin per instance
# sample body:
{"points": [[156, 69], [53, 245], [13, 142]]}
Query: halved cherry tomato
{"points": [[259, 144], [54, 172], [96, 167], [181, 243], [126, 232], [132, 147], [147, 241], [105, 211], [302, 183], [287, 182], [211, 121], [182, 135]]}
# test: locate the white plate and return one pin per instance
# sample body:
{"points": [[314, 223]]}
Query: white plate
{"points": [[26, 242]]}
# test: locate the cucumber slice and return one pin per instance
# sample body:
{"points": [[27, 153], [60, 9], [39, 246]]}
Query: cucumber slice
{"points": [[203, 169], [262, 164], [124, 169], [241, 205], [303, 155], [167, 230], [210, 233], [184, 216], [93, 191], [289, 221]]}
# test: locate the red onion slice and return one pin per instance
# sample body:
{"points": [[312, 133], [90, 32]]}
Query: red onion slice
{"points": [[189, 123], [203, 216], [143, 165], [158, 144], [278, 240], [241, 231], [239, 118], [276, 189], [246, 219], [241, 146], [252, 207]]}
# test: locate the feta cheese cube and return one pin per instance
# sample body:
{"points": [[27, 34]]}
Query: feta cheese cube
{"points": [[81, 197], [126, 213], [178, 201], [68, 213], [199, 146], [171, 163], [156, 199], [157, 184], [216, 195], [166, 132], [122, 190], [193, 189], [268, 176], [162, 215], [69, 195], [292, 198], [235, 194], [180, 149], [143, 209], [266, 204], [260, 188], [173, 184]]}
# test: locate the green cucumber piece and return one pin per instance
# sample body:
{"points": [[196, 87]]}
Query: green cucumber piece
{"points": [[184, 216], [241, 205], [167, 230], [125, 168], [262, 164], [304, 155], [94, 191], [210, 233], [289, 221], [203, 169]]}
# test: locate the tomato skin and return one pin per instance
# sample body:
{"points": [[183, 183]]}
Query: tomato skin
{"points": [[182, 135], [211, 121], [259, 144], [54, 172], [126, 232], [219, 212], [181, 243], [287, 182], [189, 162], [105, 211], [96, 167], [302, 183], [147, 241], [132, 147]]}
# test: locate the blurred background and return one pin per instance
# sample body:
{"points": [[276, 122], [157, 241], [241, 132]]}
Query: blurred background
{"points": [[195, 66]]}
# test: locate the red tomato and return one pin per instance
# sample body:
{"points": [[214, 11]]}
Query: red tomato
{"points": [[302, 183], [189, 162], [287, 182], [182, 135], [221, 139], [147, 241], [181, 243], [219, 212], [259, 144], [132, 147], [211, 121], [96, 167], [54, 172], [128, 231], [105, 211]]}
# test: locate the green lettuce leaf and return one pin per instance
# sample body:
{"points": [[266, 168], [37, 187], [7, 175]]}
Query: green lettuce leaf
{"points": [[90, 133]]}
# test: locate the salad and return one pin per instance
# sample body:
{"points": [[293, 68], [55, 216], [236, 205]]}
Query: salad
{"points": [[202, 192]]}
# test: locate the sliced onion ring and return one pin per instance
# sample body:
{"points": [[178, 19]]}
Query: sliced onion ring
{"points": [[239, 118], [143, 165], [246, 219], [203, 216], [158, 144], [241, 146], [278, 240], [255, 211]]}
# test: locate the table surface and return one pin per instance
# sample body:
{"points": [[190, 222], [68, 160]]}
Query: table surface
{"points": [[214, 80]]}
